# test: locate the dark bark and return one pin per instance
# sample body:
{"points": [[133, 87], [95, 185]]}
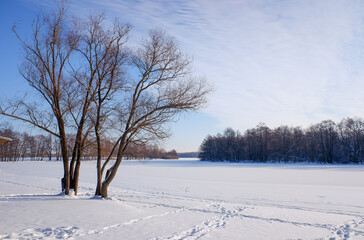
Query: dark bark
{"points": [[64, 152], [111, 172], [77, 174]]}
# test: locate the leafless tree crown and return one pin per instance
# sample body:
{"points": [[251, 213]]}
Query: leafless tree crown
{"points": [[96, 88]]}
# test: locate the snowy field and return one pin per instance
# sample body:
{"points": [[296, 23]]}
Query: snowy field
{"points": [[185, 199]]}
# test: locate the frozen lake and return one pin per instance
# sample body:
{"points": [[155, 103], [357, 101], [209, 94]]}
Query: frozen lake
{"points": [[185, 199]]}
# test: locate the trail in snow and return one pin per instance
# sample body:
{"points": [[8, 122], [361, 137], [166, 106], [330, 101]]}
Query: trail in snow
{"points": [[216, 214], [222, 216], [26, 185], [209, 225], [134, 221]]}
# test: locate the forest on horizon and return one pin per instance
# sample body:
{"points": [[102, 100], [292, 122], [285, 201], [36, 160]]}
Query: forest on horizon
{"points": [[41, 148], [324, 142]]}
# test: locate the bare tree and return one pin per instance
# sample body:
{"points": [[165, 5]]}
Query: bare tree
{"points": [[103, 77], [59, 64], [351, 138], [283, 143], [78, 70], [327, 140], [9, 151], [162, 88], [97, 79], [46, 58]]}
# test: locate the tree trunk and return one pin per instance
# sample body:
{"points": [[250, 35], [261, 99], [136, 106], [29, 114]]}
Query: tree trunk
{"points": [[66, 174], [98, 141], [72, 170], [107, 182], [64, 157], [104, 190], [111, 172], [77, 174], [99, 180], [73, 161]]}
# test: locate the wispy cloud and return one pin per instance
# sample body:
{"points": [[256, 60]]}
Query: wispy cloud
{"points": [[272, 61]]}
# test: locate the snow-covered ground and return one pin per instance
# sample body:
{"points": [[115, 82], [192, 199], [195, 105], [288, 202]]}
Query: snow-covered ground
{"points": [[185, 199]]}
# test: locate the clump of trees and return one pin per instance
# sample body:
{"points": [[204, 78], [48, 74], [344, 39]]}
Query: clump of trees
{"points": [[24, 146], [40, 147], [149, 151], [325, 142], [89, 84]]}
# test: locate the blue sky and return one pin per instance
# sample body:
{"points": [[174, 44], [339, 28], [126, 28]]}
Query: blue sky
{"points": [[277, 62]]}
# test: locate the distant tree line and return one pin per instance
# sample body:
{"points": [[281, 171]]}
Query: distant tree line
{"points": [[37, 147], [41, 147], [325, 142], [149, 151]]}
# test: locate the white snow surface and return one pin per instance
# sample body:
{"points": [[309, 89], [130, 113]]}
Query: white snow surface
{"points": [[185, 199]]}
